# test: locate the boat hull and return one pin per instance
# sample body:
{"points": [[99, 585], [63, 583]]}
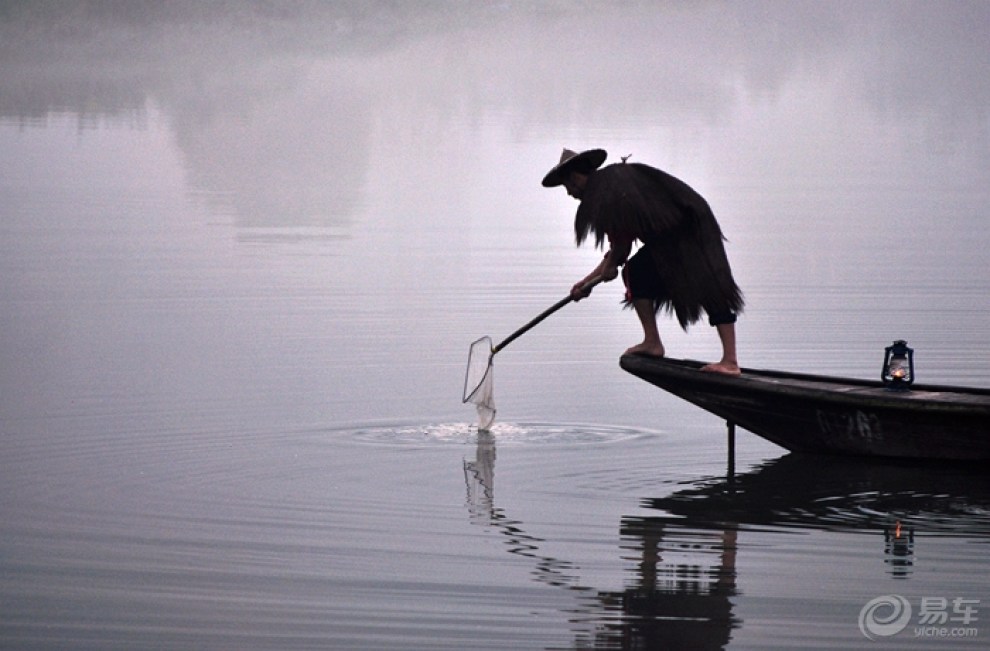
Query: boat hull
{"points": [[820, 414]]}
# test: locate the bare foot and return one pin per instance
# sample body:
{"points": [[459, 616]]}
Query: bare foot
{"points": [[647, 349], [725, 368]]}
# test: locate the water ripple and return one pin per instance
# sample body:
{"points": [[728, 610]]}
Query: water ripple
{"points": [[504, 434]]}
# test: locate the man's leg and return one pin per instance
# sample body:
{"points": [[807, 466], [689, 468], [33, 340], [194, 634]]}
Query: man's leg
{"points": [[729, 364], [651, 344]]}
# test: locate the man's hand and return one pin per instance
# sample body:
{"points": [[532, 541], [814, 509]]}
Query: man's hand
{"points": [[580, 290], [603, 273]]}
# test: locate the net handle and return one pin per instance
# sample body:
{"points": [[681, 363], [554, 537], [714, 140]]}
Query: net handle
{"points": [[542, 315]]}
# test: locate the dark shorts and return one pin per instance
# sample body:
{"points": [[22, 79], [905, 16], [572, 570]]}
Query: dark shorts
{"points": [[643, 281]]}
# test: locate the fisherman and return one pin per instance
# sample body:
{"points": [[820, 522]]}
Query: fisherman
{"points": [[681, 266]]}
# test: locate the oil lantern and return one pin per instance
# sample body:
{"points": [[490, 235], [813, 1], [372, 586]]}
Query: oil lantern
{"points": [[898, 365]]}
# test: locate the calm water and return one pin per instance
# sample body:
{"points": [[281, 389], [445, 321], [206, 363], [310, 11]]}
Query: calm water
{"points": [[243, 253]]}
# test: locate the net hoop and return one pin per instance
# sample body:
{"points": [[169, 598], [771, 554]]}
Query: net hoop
{"points": [[479, 367], [479, 382]]}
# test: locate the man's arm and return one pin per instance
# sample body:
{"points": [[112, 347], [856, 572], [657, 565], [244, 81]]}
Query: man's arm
{"points": [[608, 268]]}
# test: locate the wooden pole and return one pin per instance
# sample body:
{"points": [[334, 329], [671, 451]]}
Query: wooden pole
{"points": [[731, 427]]}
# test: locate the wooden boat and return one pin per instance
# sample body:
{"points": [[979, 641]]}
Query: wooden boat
{"points": [[822, 414]]}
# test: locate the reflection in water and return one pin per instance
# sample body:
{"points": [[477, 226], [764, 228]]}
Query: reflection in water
{"points": [[270, 135], [898, 501], [685, 572], [683, 584], [840, 494], [898, 550], [277, 108], [679, 597], [480, 478], [293, 156]]}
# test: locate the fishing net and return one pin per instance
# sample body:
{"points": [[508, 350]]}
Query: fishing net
{"points": [[479, 382]]}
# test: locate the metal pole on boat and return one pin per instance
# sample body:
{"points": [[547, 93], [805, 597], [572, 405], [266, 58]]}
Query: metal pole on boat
{"points": [[731, 427]]}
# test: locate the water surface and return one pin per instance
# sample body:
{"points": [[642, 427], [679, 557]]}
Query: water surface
{"points": [[243, 255]]}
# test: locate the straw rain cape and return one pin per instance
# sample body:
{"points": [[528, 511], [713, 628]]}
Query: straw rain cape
{"points": [[677, 227]]}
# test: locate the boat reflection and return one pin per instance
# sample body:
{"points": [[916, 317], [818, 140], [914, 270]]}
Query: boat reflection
{"points": [[683, 577], [840, 494]]}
